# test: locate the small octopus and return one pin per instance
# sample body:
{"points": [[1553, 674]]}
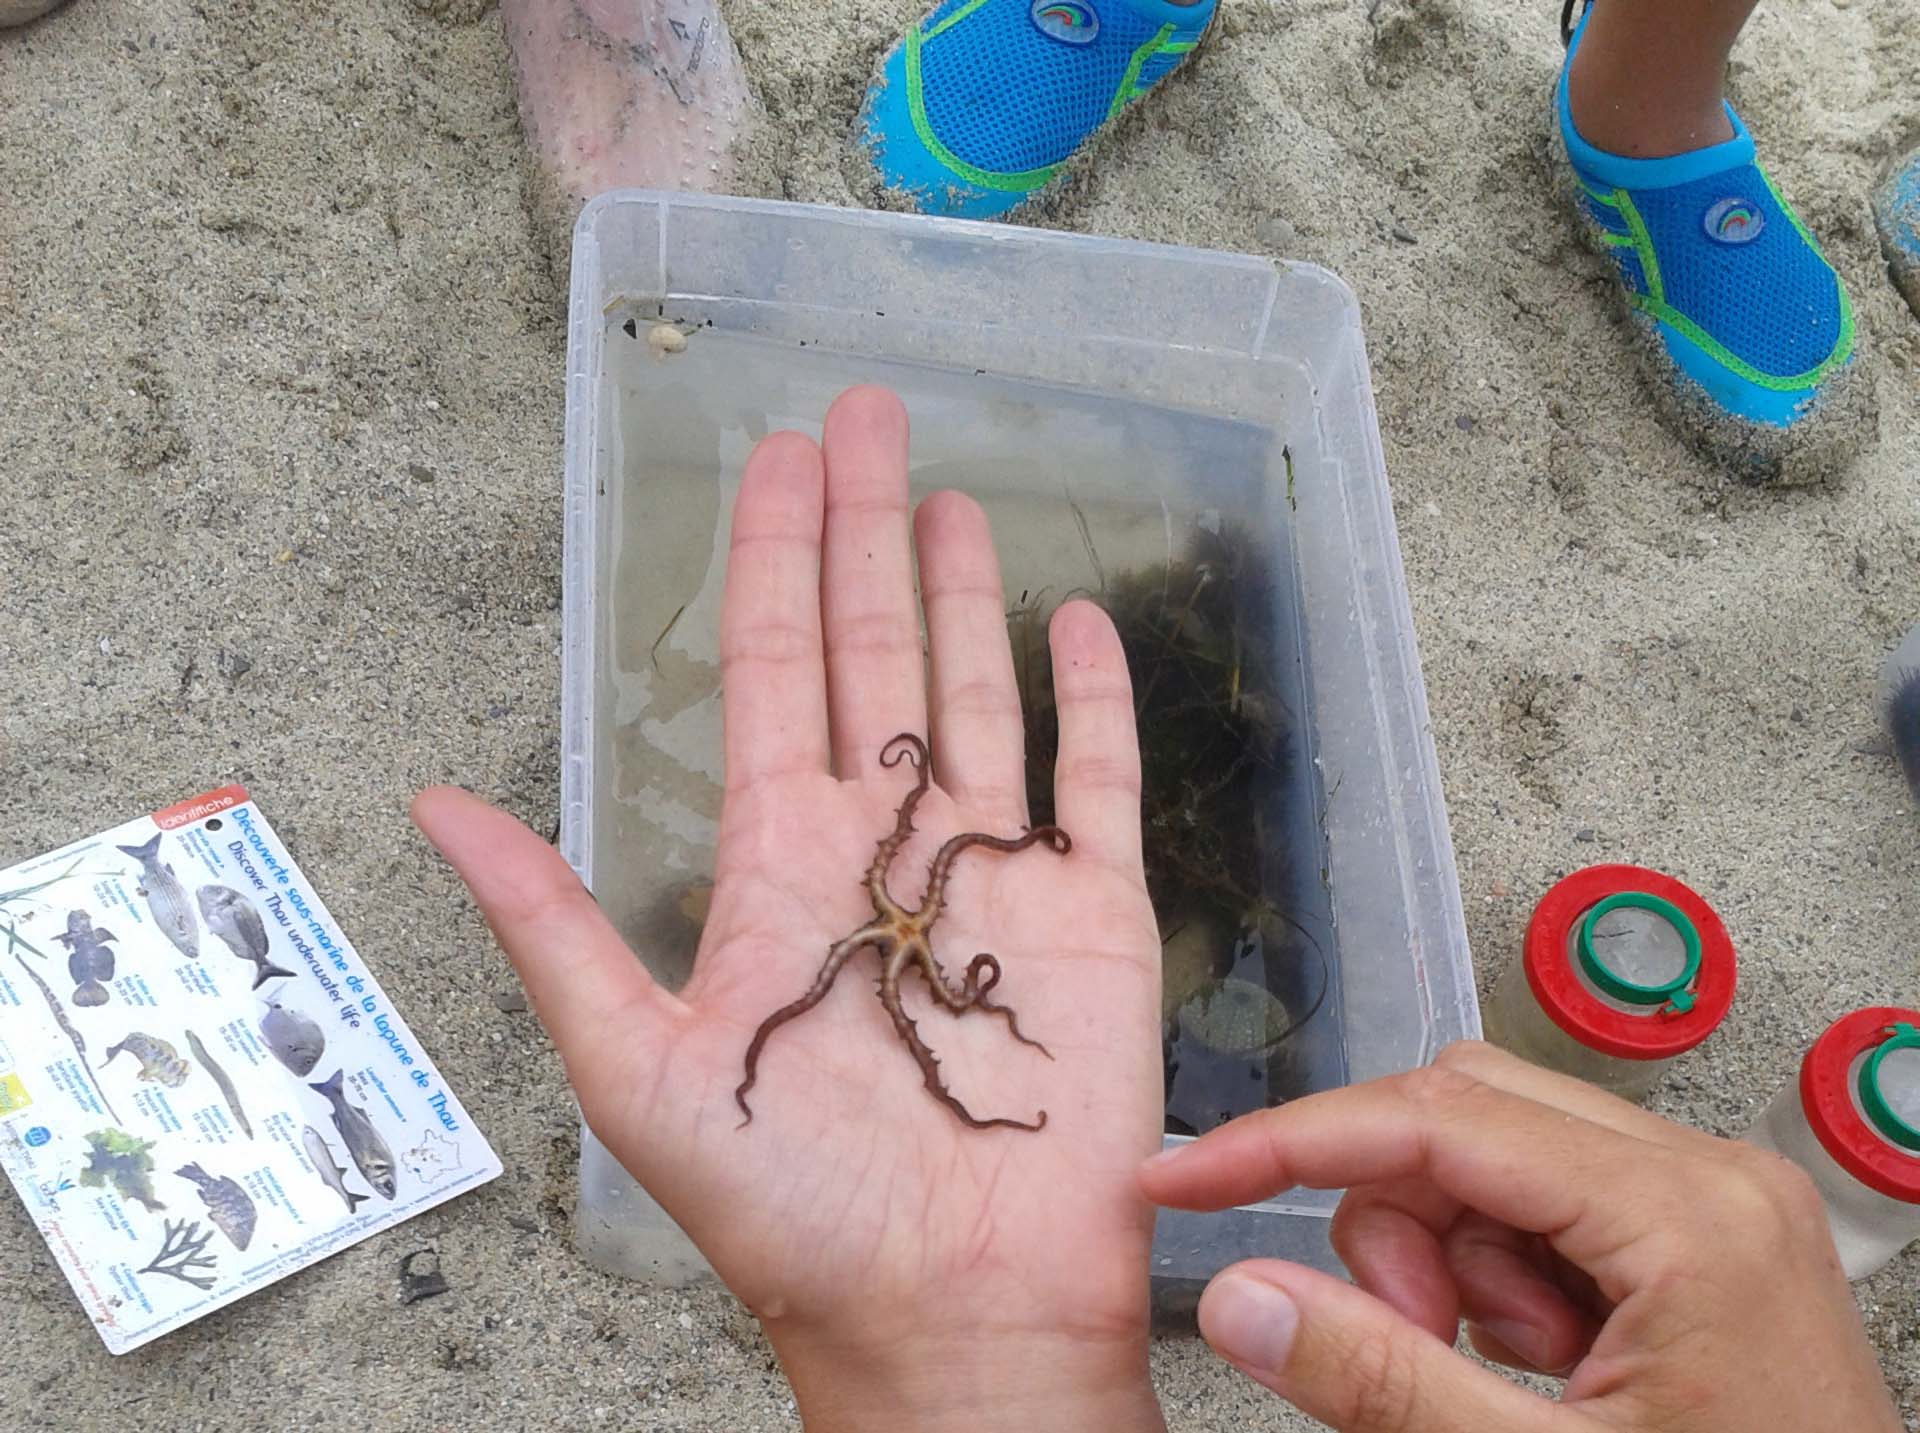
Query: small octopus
{"points": [[902, 937]]}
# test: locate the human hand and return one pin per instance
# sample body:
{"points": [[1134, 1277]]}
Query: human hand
{"points": [[911, 1272], [1680, 1283]]}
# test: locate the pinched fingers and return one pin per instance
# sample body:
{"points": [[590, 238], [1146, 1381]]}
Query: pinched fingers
{"points": [[1598, 1193], [1508, 1289]]}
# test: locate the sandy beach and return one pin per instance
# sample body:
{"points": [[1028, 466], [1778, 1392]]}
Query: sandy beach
{"points": [[281, 361]]}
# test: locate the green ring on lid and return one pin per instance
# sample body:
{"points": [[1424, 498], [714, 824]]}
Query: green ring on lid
{"points": [[1904, 1037], [1673, 992]]}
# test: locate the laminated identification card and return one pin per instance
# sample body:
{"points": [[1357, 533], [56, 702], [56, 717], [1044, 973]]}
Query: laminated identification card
{"points": [[202, 1088]]}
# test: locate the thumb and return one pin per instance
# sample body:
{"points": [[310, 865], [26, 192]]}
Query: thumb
{"points": [[1344, 1357], [596, 1000]]}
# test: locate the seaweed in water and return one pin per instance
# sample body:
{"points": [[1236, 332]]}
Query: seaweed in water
{"points": [[1214, 728], [1208, 707], [184, 1248], [124, 1163]]}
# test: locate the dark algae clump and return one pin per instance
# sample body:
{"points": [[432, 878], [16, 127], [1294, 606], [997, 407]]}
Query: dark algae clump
{"points": [[1223, 800]]}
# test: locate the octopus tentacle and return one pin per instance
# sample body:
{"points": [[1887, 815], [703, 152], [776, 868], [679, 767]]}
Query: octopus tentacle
{"points": [[822, 983], [902, 939], [943, 859], [929, 1064], [908, 748]]}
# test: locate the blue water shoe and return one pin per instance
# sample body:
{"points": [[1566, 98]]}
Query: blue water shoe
{"points": [[979, 105], [1750, 328]]}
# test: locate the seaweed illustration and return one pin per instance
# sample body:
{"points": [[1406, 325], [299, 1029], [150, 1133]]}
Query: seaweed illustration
{"points": [[27, 893], [17, 943], [66, 1028], [122, 1162], [184, 1248]]}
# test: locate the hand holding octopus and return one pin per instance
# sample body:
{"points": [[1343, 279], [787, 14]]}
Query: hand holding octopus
{"points": [[891, 1251], [902, 937]]}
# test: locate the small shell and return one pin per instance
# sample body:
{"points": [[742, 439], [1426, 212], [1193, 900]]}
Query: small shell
{"points": [[665, 338]]}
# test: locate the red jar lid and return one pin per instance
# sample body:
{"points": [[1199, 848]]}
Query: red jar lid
{"points": [[1827, 1089], [1674, 1016]]}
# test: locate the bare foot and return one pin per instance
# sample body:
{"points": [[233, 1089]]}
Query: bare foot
{"points": [[626, 93]]}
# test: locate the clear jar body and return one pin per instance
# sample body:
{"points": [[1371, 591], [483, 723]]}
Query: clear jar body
{"points": [[1868, 1227], [1515, 1022]]}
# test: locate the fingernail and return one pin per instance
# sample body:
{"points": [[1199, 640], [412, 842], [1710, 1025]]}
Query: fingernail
{"points": [[1164, 1158], [1524, 1339], [1250, 1322]]}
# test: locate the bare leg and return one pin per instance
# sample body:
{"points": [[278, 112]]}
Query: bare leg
{"points": [[1647, 80], [626, 93]]}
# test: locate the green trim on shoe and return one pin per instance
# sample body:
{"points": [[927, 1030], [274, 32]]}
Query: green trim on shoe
{"points": [[1654, 303], [1842, 347], [1643, 246], [1127, 90], [1021, 183], [1794, 215], [954, 19], [1030, 179]]}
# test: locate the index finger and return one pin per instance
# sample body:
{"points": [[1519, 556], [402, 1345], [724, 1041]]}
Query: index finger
{"points": [[1524, 1163]]}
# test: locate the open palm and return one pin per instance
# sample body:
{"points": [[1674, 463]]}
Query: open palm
{"points": [[855, 1198]]}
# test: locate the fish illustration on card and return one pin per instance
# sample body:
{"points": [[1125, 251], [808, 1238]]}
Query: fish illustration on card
{"points": [[166, 897]]}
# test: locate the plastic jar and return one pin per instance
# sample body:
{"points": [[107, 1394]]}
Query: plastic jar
{"points": [[1623, 969], [1852, 1122]]}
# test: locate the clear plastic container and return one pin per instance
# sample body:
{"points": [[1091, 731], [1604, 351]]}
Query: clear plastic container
{"points": [[1222, 384], [1852, 1122], [1624, 969]]}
